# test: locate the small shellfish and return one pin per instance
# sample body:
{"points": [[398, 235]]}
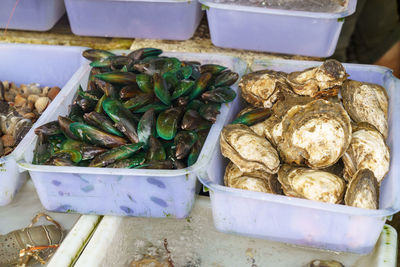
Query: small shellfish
{"points": [[41, 104]]}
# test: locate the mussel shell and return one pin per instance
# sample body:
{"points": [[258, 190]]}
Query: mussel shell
{"points": [[93, 135], [167, 123], [50, 128], [247, 150], [115, 154]]}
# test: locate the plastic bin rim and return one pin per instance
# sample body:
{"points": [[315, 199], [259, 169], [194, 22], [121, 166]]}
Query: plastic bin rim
{"points": [[151, 1], [276, 61], [293, 201], [262, 10]]}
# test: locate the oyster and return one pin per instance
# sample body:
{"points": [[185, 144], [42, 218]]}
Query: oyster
{"points": [[325, 263], [247, 150], [322, 80], [367, 150], [316, 134], [311, 184], [366, 102], [262, 88], [254, 181], [363, 190]]}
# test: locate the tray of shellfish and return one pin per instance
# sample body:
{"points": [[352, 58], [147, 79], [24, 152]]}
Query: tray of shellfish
{"points": [[31, 236], [195, 242], [130, 135], [31, 80], [310, 156]]}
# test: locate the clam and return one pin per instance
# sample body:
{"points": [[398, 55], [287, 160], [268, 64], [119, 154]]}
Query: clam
{"points": [[363, 190], [366, 102], [262, 88], [318, 80], [311, 184], [247, 150], [258, 181], [42, 103], [325, 263], [316, 134], [368, 150]]}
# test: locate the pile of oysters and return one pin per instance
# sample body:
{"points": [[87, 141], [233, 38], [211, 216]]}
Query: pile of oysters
{"points": [[300, 137]]}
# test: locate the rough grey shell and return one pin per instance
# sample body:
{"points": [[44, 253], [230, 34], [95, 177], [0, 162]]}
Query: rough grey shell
{"points": [[249, 151], [258, 181], [366, 102], [367, 150], [314, 80], [363, 190], [262, 88], [311, 184], [316, 134]]}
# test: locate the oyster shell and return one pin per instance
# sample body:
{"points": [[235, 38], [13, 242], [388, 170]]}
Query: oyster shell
{"points": [[366, 102], [262, 88], [311, 184], [363, 190], [247, 150], [316, 134], [325, 263], [367, 150], [318, 80], [254, 181]]}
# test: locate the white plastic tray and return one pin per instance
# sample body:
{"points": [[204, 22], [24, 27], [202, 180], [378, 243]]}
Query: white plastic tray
{"points": [[125, 192], [301, 221], [195, 240], [26, 205], [47, 65]]}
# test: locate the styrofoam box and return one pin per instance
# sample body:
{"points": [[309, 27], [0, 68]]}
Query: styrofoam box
{"points": [[24, 64], [126, 192], [35, 15], [275, 30], [153, 19], [301, 221], [195, 242]]}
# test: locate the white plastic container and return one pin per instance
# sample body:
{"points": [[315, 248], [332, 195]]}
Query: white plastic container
{"points": [[126, 192], [34, 15], [305, 222], [153, 19], [195, 242], [43, 64], [275, 30]]}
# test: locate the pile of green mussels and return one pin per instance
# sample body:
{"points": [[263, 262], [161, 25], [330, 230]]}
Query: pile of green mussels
{"points": [[140, 110]]}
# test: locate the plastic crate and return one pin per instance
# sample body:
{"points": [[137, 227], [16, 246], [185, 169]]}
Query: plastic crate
{"points": [[161, 19], [301, 221], [275, 30]]}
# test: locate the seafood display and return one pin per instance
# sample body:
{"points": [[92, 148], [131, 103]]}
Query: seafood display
{"points": [[20, 107], [141, 110], [33, 244], [301, 138]]}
